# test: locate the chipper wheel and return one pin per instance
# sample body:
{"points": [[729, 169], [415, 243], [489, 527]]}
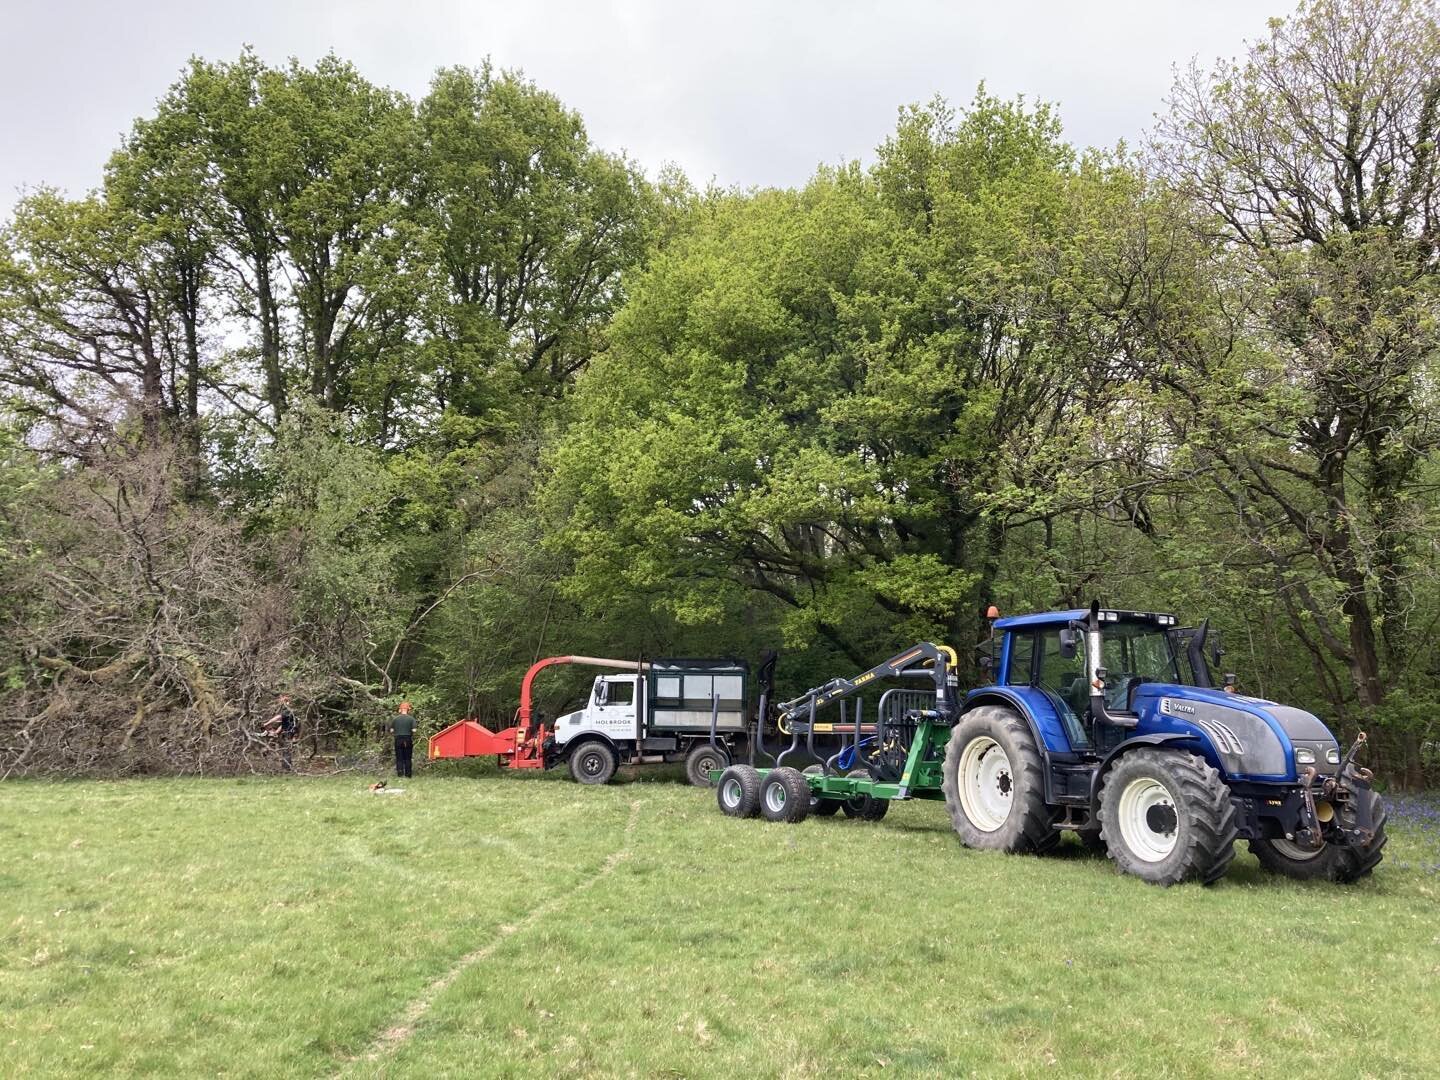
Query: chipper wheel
{"points": [[1166, 817], [1330, 863], [701, 761], [818, 806], [738, 791], [784, 796], [592, 762], [994, 784]]}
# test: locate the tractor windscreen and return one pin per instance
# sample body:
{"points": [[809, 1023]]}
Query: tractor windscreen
{"points": [[1134, 653]]}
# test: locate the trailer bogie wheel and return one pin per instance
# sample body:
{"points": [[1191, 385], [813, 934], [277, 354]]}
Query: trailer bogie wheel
{"points": [[994, 784], [864, 807], [702, 760], [1166, 817], [1330, 862], [784, 796], [738, 791], [592, 762], [820, 806]]}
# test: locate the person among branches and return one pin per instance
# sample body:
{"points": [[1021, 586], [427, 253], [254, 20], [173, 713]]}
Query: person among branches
{"points": [[283, 727], [403, 727]]}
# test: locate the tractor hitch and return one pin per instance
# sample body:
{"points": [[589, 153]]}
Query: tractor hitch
{"points": [[1350, 801], [1341, 808], [1311, 833]]}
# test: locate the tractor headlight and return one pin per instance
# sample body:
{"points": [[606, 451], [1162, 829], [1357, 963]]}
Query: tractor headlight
{"points": [[1304, 755], [1333, 755]]}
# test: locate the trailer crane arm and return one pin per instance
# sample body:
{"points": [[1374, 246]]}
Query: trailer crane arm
{"points": [[939, 660]]}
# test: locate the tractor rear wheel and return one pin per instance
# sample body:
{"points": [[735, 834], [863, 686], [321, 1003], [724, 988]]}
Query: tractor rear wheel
{"points": [[784, 796], [592, 762], [864, 807], [702, 760], [994, 783], [738, 791], [1166, 817], [1330, 862]]}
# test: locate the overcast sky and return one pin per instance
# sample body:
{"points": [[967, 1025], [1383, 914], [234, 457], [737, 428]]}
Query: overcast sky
{"points": [[749, 93]]}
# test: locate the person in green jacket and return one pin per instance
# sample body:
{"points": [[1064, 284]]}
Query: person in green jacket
{"points": [[403, 725]]}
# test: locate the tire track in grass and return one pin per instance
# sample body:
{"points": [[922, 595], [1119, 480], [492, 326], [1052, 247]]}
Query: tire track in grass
{"points": [[394, 1036]]}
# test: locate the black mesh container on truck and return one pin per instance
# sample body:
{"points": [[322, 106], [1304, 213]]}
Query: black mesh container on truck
{"points": [[680, 693]]}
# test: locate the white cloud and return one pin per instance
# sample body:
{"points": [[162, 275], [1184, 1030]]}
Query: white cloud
{"points": [[752, 93]]}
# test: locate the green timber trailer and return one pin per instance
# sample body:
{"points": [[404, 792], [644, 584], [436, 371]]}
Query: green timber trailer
{"points": [[901, 763], [1104, 722]]}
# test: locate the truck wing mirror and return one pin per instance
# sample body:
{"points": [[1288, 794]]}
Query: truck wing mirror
{"points": [[602, 692]]}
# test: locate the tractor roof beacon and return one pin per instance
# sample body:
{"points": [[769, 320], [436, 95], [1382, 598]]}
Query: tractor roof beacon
{"points": [[1105, 722]]}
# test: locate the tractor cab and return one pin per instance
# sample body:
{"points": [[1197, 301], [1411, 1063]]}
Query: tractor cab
{"points": [[1101, 671]]}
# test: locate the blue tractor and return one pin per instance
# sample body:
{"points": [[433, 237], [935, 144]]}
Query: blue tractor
{"points": [[1104, 722]]}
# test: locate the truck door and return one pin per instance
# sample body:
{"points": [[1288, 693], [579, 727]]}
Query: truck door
{"points": [[613, 706]]}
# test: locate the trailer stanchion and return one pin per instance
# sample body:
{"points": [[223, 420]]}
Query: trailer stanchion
{"points": [[795, 736], [833, 761], [810, 730]]}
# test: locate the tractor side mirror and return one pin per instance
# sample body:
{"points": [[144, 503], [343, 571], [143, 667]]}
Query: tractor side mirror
{"points": [[1217, 649], [1069, 643]]}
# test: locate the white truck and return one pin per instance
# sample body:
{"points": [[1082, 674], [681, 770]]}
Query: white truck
{"points": [[660, 713], [650, 711]]}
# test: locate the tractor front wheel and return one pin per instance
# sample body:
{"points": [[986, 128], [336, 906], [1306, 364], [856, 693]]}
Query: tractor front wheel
{"points": [[1330, 862], [592, 763], [994, 783], [701, 761], [1166, 817]]}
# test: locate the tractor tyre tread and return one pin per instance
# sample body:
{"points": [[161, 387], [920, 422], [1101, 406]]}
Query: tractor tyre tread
{"points": [[1201, 796], [1344, 865], [1031, 824]]}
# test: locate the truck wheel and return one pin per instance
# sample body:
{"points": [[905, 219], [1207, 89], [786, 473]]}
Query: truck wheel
{"points": [[701, 761], [994, 783], [864, 807], [1166, 817], [819, 806], [592, 762], [784, 796], [1331, 862], [738, 791]]}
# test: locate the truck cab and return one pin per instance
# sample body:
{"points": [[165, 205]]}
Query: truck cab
{"points": [[610, 711]]}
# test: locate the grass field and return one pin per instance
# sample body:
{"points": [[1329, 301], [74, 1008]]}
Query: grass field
{"points": [[530, 927]]}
